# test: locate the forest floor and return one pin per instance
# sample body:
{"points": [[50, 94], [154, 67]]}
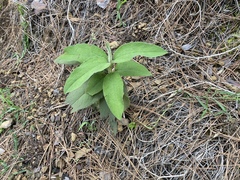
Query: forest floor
{"points": [[187, 114]]}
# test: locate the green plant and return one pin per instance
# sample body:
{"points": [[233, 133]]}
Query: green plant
{"points": [[213, 102], [4, 167], [119, 5], [90, 126], [132, 125], [98, 79], [8, 107], [24, 25]]}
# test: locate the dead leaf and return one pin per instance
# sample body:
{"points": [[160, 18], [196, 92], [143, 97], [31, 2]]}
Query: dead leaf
{"points": [[102, 3], [73, 137], [141, 25], [123, 122], [58, 136], [45, 147], [82, 152], [6, 124], [44, 169], [136, 77], [73, 19], [234, 83], [213, 78], [24, 178], [43, 178], [156, 1], [158, 81], [135, 85], [38, 6], [186, 47], [221, 63], [105, 175], [1, 151], [60, 163], [114, 45], [120, 128], [70, 156]]}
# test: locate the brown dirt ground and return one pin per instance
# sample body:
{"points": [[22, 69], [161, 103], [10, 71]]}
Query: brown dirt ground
{"points": [[187, 113]]}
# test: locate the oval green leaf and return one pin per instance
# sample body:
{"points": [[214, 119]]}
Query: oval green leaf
{"points": [[81, 74], [80, 53], [79, 99], [73, 96], [104, 109], [113, 92], [95, 83], [132, 68], [85, 101], [129, 50]]}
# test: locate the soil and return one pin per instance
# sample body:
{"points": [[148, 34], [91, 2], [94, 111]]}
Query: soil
{"points": [[187, 114]]}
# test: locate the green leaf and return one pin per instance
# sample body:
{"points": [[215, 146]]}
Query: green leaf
{"points": [[104, 109], [85, 101], [73, 96], [80, 53], [85, 123], [132, 68], [83, 73], [126, 99], [78, 99], [221, 106], [132, 125], [105, 112], [129, 50], [95, 83], [113, 93], [113, 123]]}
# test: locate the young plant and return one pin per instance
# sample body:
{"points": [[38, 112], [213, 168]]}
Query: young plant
{"points": [[24, 25], [7, 108], [98, 79], [118, 7]]}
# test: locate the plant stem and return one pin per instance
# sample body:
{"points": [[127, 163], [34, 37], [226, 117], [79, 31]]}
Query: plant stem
{"points": [[109, 52]]}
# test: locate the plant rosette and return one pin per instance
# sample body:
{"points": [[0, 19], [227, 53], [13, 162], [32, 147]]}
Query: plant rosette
{"points": [[99, 77]]}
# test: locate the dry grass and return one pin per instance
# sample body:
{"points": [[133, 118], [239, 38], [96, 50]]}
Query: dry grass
{"points": [[187, 114]]}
